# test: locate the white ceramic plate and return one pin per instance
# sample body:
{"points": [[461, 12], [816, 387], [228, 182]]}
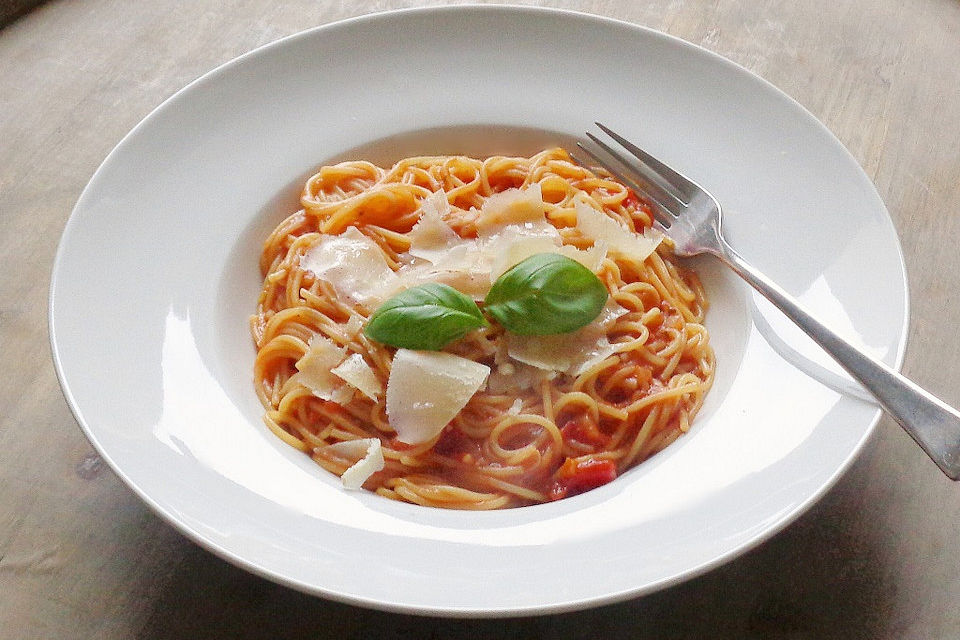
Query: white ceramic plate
{"points": [[157, 272]]}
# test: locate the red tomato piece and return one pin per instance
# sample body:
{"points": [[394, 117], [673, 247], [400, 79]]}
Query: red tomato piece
{"points": [[583, 429], [577, 475]]}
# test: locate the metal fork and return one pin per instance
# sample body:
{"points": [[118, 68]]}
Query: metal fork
{"points": [[691, 217]]}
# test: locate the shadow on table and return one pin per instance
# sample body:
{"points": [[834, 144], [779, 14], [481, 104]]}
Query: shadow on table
{"points": [[10, 10], [823, 577]]}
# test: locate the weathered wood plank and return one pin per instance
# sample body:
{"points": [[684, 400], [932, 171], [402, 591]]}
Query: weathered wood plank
{"points": [[82, 557]]}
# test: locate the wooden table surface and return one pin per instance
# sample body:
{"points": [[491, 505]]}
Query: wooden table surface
{"points": [[81, 557]]}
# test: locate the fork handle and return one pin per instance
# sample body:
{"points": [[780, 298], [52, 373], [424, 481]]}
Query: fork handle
{"points": [[934, 424]]}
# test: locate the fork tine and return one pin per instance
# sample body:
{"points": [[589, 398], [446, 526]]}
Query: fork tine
{"points": [[662, 192], [677, 180], [662, 228], [663, 214]]}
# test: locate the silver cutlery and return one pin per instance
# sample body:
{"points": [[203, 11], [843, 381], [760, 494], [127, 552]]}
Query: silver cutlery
{"points": [[691, 217]]}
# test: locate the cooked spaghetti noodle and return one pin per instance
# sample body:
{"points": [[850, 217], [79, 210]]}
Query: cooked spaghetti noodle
{"points": [[552, 435]]}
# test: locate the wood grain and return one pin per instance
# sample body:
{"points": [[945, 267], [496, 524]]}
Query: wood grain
{"points": [[82, 557]]}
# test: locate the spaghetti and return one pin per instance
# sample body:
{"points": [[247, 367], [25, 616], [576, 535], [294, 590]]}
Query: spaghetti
{"points": [[530, 434]]}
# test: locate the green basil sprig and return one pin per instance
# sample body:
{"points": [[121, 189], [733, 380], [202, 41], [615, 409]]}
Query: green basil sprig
{"points": [[425, 317], [546, 294]]}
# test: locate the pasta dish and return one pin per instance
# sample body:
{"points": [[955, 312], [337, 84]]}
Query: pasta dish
{"points": [[498, 401]]}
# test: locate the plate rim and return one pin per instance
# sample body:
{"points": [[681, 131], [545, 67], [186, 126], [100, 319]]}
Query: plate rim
{"points": [[254, 567]]}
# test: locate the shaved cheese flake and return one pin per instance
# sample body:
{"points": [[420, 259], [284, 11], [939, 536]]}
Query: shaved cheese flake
{"points": [[431, 238], [356, 372], [474, 283], [601, 228], [510, 378], [571, 353], [551, 353], [591, 258], [513, 206], [465, 266], [601, 349], [368, 453], [353, 264], [316, 370], [353, 326], [513, 248], [468, 277], [512, 227], [427, 389], [522, 248]]}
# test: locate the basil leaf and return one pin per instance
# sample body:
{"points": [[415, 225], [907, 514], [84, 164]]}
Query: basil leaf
{"points": [[425, 317], [546, 294]]}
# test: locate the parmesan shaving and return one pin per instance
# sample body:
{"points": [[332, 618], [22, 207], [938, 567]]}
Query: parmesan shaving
{"points": [[516, 248], [510, 207], [353, 326], [591, 258], [511, 378], [431, 238], [427, 389], [353, 264], [464, 266], [571, 353], [606, 231], [368, 453], [512, 226], [315, 370], [356, 372]]}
